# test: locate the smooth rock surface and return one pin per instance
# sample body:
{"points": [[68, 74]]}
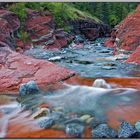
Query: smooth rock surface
{"points": [[16, 69]]}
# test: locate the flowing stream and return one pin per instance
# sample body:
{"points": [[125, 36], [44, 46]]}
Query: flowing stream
{"points": [[74, 102]]}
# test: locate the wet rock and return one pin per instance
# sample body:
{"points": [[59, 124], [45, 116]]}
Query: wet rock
{"points": [[40, 113], [126, 130], [28, 88], [58, 127], [58, 116], [58, 109], [45, 122], [74, 129], [134, 57], [89, 120], [101, 83], [85, 117], [97, 122], [103, 131], [85, 62], [109, 43], [137, 126], [108, 68], [56, 58]]}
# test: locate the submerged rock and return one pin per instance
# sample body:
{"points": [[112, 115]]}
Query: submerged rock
{"points": [[45, 122], [126, 130], [103, 131], [74, 129], [40, 113], [28, 88]]}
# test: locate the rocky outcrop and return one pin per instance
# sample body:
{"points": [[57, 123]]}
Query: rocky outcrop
{"points": [[134, 57], [90, 29], [125, 36], [42, 32], [9, 24], [16, 69]]}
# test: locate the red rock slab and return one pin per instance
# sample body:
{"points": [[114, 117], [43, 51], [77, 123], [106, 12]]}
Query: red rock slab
{"points": [[38, 20], [17, 69], [109, 43], [58, 44], [134, 57]]}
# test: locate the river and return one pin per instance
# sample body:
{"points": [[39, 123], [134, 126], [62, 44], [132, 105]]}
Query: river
{"points": [[74, 109]]}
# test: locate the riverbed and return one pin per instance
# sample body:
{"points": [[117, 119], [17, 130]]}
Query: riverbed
{"points": [[92, 61]]}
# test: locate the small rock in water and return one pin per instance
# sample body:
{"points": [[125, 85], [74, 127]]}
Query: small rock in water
{"points": [[40, 113], [28, 88], [89, 121], [55, 58], [101, 83], [126, 130], [137, 126], [74, 129], [58, 109], [58, 127], [108, 68], [45, 122], [85, 117], [103, 131], [57, 116]]}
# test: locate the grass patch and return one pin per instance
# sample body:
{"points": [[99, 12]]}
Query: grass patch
{"points": [[62, 12]]}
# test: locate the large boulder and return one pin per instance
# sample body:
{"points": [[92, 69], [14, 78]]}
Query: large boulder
{"points": [[16, 69]]}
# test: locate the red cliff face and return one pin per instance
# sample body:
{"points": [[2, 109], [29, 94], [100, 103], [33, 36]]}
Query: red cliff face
{"points": [[126, 35], [42, 32]]}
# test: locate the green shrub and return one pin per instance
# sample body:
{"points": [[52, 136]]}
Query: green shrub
{"points": [[24, 36], [20, 10]]}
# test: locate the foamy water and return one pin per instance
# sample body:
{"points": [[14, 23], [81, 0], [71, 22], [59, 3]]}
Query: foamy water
{"points": [[86, 99], [15, 107], [95, 100]]}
